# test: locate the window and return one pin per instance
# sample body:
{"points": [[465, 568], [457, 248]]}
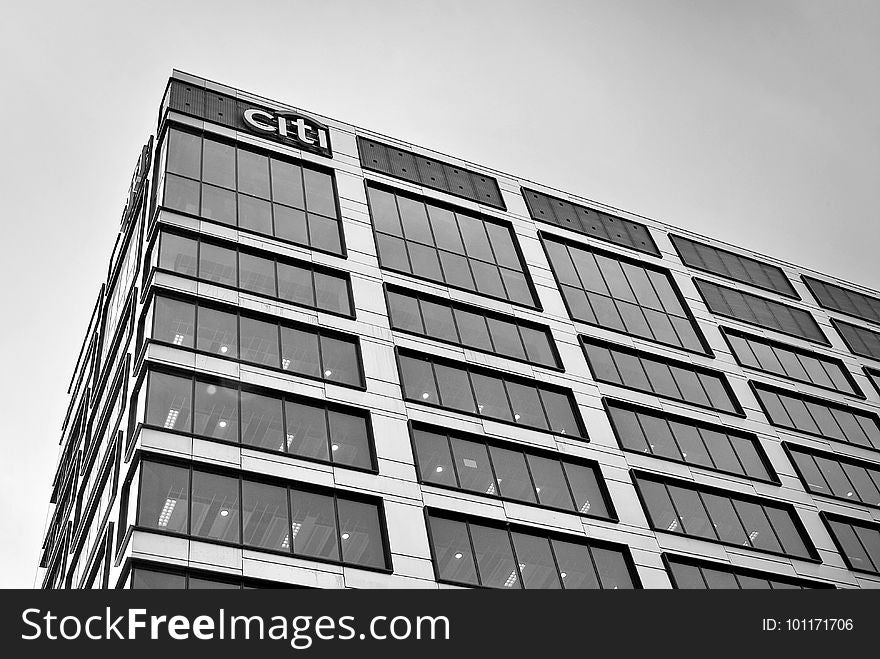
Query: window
{"points": [[429, 172], [609, 291], [733, 266], [693, 574], [471, 327], [451, 247], [874, 377], [257, 193], [260, 273], [263, 419], [860, 340], [453, 385], [663, 377], [858, 542], [697, 511], [815, 416], [473, 552], [153, 578], [276, 517], [265, 341], [835, 476], [589, 221], [790, 362], [471, 463], [760, 311], [844, 300], [680, 439]]}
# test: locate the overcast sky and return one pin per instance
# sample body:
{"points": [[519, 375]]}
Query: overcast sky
{"points": [[755, 121]]}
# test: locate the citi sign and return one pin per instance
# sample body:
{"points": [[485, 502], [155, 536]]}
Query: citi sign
{"points": [[290, 127]]}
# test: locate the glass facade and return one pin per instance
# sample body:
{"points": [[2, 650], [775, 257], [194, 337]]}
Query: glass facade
{"points": [[506, 391]]}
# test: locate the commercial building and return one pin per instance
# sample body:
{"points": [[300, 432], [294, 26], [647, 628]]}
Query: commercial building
{"points": [[326, 358]]}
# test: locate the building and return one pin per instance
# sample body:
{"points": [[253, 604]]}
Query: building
{"points": [[326, 358]]}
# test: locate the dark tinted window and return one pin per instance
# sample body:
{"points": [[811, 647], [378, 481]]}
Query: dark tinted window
{"points": [[692, 574], [836, 476], [845, 300], [860, 340]]}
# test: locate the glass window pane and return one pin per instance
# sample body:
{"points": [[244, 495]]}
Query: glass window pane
{"points": [[561, 411], [632, 372], [455, 388], [404, 312], [526, 404], [184, 154], [472, 465], [218, 264], [299, 352], [749, 457], [425, 262], [445, 229], [722, 452], [178, 254], [216, 411], [788, 534], [866, 490], [218, 164], [536, 561], [457, 271], [660, 437], [628, 430], [506, 338], [332, 293], [164, 497], [414, 219], [602, 363], [724, 519], [835, 477], [757, 526], [612, 568], [452, 551], [324, 234], [361, 533], [538, 346], [476, 243], [350, 440], [340, 359], [550, 483], [169, 401], [585, 487], [295, 284], [197, 583], [691, 512], [417, 377], [439, 322], [687, 577], [253, 174], [575, 567], [259, 342], [174, 321], [143, 579], [217, 332], [290, 224], [215, 507], [502, 246], [491, 398], [392, 253], [688, 438], [853, 550], [487, 279], [255, 215], [287, 187], [319, 192], [383, 210], [472, 330], [313, 525], [494, 557], [306, 430], [264, 516], [660, 510], [256, 274], [719, 580], [512, 474], [434, 458], [218, 204], [262, 423], [181, 194], [811, 474], [689, 384]]}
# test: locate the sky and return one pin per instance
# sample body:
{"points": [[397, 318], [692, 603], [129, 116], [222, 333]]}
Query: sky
{"points": [[756, 122]]}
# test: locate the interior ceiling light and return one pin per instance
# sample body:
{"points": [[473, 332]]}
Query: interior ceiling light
{"points": [[221, 423], [224, 513], [426, 395], [458, 555], [345, 536], [167, 510], [224, 349], [179, 339], [171, 419]]}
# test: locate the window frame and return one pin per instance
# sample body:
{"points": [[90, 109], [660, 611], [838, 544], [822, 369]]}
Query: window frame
{"points": [[584, 339], [707, 351], [263, 479], [810, 282], [525, 450], [568, 393], [790, 448], [727, 332], [755, 386], [282, 396], [509, 528], [732, 496], [735, 570], [480, 216], [485, 313], [170, 123], [791, 293], [828, 517], [836, 323], [277, 321], [608, 402]]}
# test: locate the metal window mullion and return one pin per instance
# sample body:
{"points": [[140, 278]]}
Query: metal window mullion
{"points": [[452, 455], [741, 523], [531, 477], [467, 528], [516, 563], [287, 492], [708, 515], [338, 528], [326, 411], [556, 563], [486, 446]]}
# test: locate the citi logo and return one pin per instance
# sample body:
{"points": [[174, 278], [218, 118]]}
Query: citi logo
{"points": [[290, 126]]}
